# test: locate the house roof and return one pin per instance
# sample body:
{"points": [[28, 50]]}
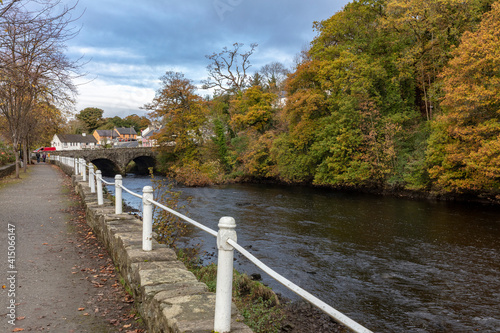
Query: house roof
{"points": [[151, 129], [106, 133], [76, 138], [151, 133], [126, 130]]}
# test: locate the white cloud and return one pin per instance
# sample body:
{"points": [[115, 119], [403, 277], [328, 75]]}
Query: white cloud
{"points": [[114, 99], [131, 44], [90, 52]]}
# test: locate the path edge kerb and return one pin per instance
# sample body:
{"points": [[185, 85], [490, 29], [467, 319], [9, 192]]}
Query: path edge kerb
{"points": [[168, 297]]}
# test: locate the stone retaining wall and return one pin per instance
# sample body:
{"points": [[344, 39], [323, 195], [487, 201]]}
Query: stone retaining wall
{"points": [[169, 297], [7, 170]]}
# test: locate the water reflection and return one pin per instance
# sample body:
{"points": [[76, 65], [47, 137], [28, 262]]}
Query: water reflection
{"points": [[391, 264]]}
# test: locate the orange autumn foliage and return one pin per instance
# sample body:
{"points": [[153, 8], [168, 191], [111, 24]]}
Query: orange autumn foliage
{"points": [[464, 149]]}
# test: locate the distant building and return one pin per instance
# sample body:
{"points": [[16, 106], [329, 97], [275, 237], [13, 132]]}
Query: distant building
{"points": [[73, 141], [104, 137], [146, 137], [126, 133]]}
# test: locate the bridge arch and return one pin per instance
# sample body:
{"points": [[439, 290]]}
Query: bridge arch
{"points": [[142, 164], [107, 166], [115, 160]]}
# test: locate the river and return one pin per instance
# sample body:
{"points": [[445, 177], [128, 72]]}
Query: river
{"points": [[391, 264]]}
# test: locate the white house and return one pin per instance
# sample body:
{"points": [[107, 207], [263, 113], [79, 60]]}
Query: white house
{"points": [[146, 135], [73, 141]]}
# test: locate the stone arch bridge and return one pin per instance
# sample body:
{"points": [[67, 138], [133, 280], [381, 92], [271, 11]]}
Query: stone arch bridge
{"points": [[115, 160]]}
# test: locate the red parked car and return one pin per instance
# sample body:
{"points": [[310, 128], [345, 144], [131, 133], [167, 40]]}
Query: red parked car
{"points": [[41, 149]]}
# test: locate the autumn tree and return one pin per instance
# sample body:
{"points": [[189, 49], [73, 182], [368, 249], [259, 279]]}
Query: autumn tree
{"points": [[355, 102], [33, 67], [45, 121], [333, 97], [252, 117], [306, 104], [91, 117], [183, 114], [139, 123], [426, 32], [464, 149], [252, 109]]}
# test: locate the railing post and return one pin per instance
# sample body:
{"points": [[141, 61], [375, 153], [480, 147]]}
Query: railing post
{"points": [[84, 171], [91, 178], [222, 320], [98, 177], [118, 195], [75, 166], [147, 218]]}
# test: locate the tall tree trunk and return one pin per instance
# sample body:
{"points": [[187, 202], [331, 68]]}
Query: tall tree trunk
{"points": [[15, 145], [25, 156]]}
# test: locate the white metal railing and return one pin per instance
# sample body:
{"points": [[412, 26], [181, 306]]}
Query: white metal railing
{"points": [[226, 243]]}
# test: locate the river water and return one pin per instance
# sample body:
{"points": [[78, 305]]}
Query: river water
{"points": [[391, 264]]}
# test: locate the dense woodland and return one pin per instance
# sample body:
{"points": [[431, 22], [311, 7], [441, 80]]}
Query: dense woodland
{"points": [[391, 95]]}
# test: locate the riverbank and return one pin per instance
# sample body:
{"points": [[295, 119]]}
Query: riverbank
{"points": [[392, 191]]}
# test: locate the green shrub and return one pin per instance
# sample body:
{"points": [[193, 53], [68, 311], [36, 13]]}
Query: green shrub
{"points": [[6, 154]]}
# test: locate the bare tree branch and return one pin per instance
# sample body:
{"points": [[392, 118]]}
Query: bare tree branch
{"points": [[228, 70]]}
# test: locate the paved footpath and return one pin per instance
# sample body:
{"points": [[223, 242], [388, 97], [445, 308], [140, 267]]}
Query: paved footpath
{"points": [[51, 292]]}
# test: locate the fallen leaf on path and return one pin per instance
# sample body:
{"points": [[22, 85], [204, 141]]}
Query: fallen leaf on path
{"points": [[18, 329], [127, 326], [86, 314], [45, 244], [21, 318], [81, 309]]}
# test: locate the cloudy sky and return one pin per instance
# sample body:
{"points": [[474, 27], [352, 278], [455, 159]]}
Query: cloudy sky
{"points": [[131, 43]]}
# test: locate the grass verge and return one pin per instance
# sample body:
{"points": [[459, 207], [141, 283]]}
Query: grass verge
{"points": [[11, 179], [257, 303]]}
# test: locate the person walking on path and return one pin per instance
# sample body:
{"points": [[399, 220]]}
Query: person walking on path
{"points": [[46, 284]]}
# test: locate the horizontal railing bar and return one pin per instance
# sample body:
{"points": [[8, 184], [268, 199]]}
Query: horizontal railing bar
{"points": [[338, 316], [185, 218], [107, 183], [129, 191]]}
